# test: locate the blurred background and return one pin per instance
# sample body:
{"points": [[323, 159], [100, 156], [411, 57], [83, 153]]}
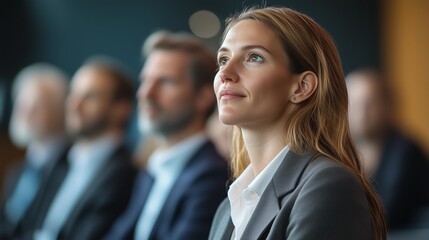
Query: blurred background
{"points": [[390, 35]]}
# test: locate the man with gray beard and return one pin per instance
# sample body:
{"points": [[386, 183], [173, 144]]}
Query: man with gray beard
{"points": [[37, 123], [177, 193]]}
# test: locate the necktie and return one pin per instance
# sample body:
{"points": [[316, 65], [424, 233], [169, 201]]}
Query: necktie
{"points": [[27, 188]]}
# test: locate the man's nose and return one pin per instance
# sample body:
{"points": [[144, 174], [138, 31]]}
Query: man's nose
{"points": [[146, 90]]}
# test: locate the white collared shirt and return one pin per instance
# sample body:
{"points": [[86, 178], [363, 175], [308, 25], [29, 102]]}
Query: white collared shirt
{"points": [[165, 166], [85, 162], [245, 192], [39, 154]]}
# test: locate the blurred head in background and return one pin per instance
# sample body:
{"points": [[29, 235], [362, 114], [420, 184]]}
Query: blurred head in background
{"points": [[39, 94], [370, 105], [100, 100], [175, 95]]}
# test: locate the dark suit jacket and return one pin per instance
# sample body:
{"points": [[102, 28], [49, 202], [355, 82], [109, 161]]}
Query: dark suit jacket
{"points": [[48, 185], [310, 197], [402, 181], [190, 206], [103, 201]]}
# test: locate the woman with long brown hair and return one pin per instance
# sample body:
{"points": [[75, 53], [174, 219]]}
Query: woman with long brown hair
{"points": [[297, 173]]}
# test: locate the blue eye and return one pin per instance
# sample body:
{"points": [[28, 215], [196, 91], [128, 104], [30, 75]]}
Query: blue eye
{"points": [[255, 58], [222, 61], [167, 81]]}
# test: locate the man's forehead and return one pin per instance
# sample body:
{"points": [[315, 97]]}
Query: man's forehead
{"points": [[166, 62], [167, 56]]}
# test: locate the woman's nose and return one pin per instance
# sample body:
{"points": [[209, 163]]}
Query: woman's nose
{"points": [[228, 72]]}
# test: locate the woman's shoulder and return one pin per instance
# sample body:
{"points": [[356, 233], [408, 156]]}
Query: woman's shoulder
{"points": [[322, 167], [329, 200], [329, 179], [316, 173]]}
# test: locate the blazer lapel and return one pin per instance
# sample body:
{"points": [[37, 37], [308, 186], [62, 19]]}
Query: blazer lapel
{"points": [[284, 182], [224, 223], [176, 194], [287, 177], [92, 191], [265, 212]]}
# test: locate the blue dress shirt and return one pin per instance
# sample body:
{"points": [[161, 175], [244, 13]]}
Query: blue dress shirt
{"points": [[37, 157]]}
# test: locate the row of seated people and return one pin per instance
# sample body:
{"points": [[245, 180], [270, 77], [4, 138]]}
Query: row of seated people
{"points": [[79, 180]]}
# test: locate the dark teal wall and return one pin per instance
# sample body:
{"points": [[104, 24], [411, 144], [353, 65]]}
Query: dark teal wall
{"points": [[65, 32]]}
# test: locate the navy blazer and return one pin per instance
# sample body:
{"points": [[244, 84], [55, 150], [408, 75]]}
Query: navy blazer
{"points": [[103, 201], [402, 180], [310, 197], [190, 206]]}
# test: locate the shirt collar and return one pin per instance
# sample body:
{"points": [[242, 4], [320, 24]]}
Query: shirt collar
{"points": [[263, 179], [176, 156], [39, 154], [85, 154], [257, 184]]}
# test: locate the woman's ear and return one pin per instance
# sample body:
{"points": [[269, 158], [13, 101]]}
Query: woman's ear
{"points": [[306, 85]]}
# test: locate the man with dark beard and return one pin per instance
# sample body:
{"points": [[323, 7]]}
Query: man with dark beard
{"points": [[98, 183], [176, 195]]}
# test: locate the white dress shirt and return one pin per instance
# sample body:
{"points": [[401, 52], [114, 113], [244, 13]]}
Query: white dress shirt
{"points": [[85, 161], [245, 192], [165, 166], [39, 154]]}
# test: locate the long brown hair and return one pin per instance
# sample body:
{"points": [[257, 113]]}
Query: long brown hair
{"points": [[321, 122]]}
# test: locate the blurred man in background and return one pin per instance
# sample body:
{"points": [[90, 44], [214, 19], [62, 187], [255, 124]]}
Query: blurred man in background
{"points": [[97, 185], [37, 124], [397, 167], [177, 194]]}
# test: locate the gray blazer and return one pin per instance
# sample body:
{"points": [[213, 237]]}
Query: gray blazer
{"points": [[310, 197]]}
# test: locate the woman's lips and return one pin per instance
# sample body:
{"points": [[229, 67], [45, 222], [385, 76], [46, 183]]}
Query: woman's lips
{"points": [[227, 94]]}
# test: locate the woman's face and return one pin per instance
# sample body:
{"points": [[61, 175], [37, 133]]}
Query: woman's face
{"points": [[253, 85]]}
